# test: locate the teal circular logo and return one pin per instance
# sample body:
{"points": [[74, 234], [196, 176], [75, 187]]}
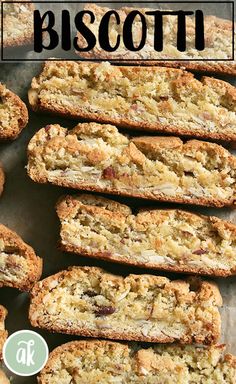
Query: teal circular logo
{"points": [[25, 353]]}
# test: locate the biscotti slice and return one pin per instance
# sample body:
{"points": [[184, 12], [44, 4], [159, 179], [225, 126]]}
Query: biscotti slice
{"points": [[171, 240], [18, 23], [2, 179], [3, 332], [98, 158], [147, 98], [19, 266], [13, 114], [107, 362], [218, 41], [3, 378], [87, 301]]}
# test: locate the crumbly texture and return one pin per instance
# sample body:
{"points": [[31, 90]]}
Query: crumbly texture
{"points": [[218, 42], [19, 266], [3, 332], [13, 114], [87, 301], [3, 378], [2, 179], [98, 158], [107, 362], [146, 98], [18, 23], [171, 240]]}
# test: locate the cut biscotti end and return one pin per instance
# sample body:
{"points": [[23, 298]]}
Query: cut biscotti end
{"points": [[13, 114], [19, 266], [171, 240], [3, 378], [96, 157], [154, 99], [3, 332], [87, 301], [107, 362], [18, 23], [218, 42]]}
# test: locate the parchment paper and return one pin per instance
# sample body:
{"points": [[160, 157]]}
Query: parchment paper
{"points": [[28, 208]]}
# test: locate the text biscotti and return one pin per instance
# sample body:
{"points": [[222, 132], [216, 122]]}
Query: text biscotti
{"points": [[19, 266], [13, 114], [107, 362], [218, 41], [97, 157], [147, 98], [88, 301], [171, 240], [3, 332]]}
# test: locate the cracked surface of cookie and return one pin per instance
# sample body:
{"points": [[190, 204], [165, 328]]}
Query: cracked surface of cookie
{"points": [[3, 332], [96, 157], [107, 362], [19, 266], [87, 301], [13, 114], [154, 99], [18, 23], [171, 240], [218, 41]]}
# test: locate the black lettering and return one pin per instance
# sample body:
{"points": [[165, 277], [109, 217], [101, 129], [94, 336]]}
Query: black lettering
{"points": [[39, 28], [181, 30], [65, 31], [85, 31], [103, 32], [199, 31], [158, 29], [127, 31]]}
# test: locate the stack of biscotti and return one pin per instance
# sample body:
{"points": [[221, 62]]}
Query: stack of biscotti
{"points": [[218, 42], [18, 23], [19, 266]]}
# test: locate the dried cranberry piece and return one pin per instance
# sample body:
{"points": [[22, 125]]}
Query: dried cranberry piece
{"points": [[109, 173], [199, 252], [104, 310]]}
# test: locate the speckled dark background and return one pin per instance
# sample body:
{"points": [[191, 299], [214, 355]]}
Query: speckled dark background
{"points": [[28, 208]]}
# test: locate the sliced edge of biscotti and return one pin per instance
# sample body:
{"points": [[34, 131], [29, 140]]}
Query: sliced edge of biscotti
{"points": [[3, 332], [171, 240], [96, 157], [19, 266], [151, 99], [87, 301], [103, 362], [13, 114]]}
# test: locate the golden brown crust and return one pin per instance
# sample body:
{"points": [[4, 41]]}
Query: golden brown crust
{"points": [[131, 308], [3, 332], [127, 97], [13, 114], [2, 179], [170, 240], [20, 267], [105, 361], [218, 38], [18, 26], [144, 167]]}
